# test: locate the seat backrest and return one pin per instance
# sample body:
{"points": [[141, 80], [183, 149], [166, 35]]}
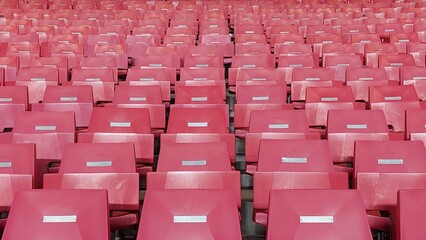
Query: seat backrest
{"points": [[45, 122], [286, 121], [98, 158], [256, 61], [285, 155], [65, 214], [212, 213], [38, 74], [415, 122], [410, 209], [312, 74], [329, 94], [310, 213], [247, 94], [199, 94], [68, 94], [92, 74], [393, 93], [120, 120], [396, 60], [194, 157], [203, 61], [137, 95], [412, 74], [345, 60], [297, 61], [389, 157], [201, 74], [257, 74], [366, 74], [356, 121], [17, 158], [98, 62], [147, 74], [197, 120], [14, 95]]}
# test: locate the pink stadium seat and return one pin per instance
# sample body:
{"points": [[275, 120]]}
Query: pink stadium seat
{"points": [[326, 215], [273, 124], [203, 62], [101, 80], [393, 62], [11, 67], [117, 51], [43, 32], [321, 39], [109, 166], [287, 164], [248, 29], [410, 209], [137, 45], [418, 50], [194, 157], [252, 49], [344, 127], [340, 63], [394, 101], [249, 39], [60, 63], [360, 80], [156, 60], [415, 125], [279, 41], [50, 214], [312, 30], [116, 125], [258, 61], [202, 74], [24, 51], [290, 49], [49, 131], [77, 99], [216, 214], [360, 40], [385, 29], [309, 77], [16, 173], [401, 40], [186, 94], [286, 64], [37, 79], [184, 119], [73, 52], [212, 31], [19, 39], [146, 97], [206, 180], [291, 155], [254, 76], [257, 97], [319, 100], [380, 173], [414, 76], [105, 62], [348, 30], [13, 100], [146, 76], [256, 94], [373, 50], [229, 139]]}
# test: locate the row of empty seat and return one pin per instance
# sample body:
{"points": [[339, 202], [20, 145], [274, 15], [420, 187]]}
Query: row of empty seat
{"points": [[328, 111]]}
